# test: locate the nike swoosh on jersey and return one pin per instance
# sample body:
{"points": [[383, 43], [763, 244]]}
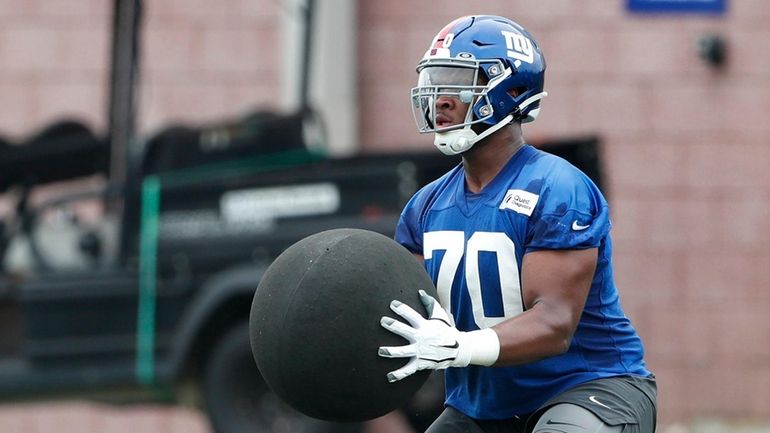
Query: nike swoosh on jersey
{"points": [[577, 227]]}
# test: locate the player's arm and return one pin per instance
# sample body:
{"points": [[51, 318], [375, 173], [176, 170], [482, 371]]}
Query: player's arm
{"points": [[555, 285], [555, 288]]}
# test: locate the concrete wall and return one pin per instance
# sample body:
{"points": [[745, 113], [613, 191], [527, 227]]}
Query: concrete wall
{"points": [[686, 147]]}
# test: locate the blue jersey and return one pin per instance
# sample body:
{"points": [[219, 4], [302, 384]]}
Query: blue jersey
{"points": [[473, 245]]}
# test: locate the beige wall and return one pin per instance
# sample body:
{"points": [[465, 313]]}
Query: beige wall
{"points": [[201, 61], [206, 60], [53, 63], [686, 148]]}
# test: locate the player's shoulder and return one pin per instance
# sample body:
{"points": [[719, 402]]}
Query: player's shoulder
{"points": [[429, 195], [552, 166], [551, 172], [558, 183]]}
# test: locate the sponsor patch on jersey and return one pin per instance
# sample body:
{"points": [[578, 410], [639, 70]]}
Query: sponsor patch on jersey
{"points": [[520, 201]]}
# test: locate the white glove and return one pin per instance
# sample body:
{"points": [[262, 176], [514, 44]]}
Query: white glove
{"points": [[434, 343]]}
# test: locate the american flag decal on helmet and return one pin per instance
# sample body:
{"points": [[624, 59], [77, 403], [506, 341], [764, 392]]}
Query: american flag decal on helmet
{"points": [[443, 39]]}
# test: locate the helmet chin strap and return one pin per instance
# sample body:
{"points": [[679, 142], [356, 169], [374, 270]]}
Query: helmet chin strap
{"points": [[526, 103], [460, 140]]}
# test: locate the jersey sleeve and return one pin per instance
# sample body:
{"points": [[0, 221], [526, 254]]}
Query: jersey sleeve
{"points": [[571, 213], [408, 233], [409, 230]]}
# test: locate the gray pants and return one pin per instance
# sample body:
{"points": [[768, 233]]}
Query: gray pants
{"points": [[568, 418], [619, 404]]}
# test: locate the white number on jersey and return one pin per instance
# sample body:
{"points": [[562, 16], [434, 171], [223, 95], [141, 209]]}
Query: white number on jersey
{"points": [[453, 243]]}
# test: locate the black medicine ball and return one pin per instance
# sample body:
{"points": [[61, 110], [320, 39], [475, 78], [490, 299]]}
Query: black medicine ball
{"points": [[315, 324]]}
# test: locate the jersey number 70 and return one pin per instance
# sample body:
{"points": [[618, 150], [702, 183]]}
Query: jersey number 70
{"points": [[455, 247]]}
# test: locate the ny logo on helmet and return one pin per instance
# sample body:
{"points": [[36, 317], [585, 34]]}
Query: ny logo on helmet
{"points": [[519, 48]]}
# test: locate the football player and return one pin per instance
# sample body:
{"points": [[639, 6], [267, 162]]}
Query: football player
{"points": [[528, 324]]}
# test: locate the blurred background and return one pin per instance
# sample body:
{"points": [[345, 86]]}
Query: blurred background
{"points": [[674, 94]]}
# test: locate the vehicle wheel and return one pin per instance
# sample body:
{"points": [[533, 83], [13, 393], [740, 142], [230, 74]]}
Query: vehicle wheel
{"points": [[238, 400]]}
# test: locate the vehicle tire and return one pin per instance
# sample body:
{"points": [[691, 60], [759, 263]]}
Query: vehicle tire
{"points": [[238, 400]]}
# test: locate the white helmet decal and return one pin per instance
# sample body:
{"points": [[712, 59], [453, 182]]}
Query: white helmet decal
{"points": [[519, 48]]}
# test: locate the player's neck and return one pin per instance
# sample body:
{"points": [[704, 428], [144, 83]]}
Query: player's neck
{"points": [[485, 160]]}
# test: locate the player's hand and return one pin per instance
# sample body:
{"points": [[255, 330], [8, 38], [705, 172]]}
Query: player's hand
{"points": [[433, 342]]}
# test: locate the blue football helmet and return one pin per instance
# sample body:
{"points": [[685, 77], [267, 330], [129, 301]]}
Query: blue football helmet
{"points": [[489, 62]]}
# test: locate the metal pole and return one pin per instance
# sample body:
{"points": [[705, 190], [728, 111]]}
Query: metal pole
{"points": [[123, 80], [304, 96]]}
